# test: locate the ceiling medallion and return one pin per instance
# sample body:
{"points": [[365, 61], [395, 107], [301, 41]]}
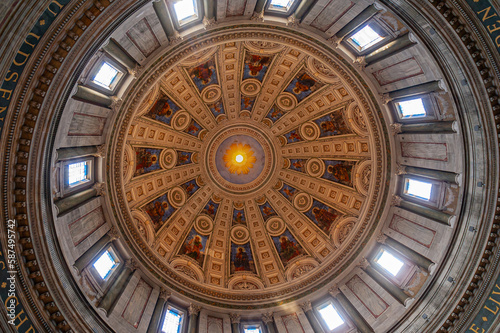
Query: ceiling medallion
{"points": [[239, 158]]}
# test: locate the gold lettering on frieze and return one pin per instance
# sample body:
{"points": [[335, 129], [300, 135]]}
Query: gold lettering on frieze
{"points": [[26, 56], [3, 92], [490, 310], [31, 34], [8, 78], [476, 329], [495, 28], [58, 10], [487, 11]]}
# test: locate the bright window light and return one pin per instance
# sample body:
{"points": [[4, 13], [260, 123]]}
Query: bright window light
{"points": [[411, 108], [253, 330], [283, 5], [77, 172], [184, 9], [172, 321], [366, 37], [390, 263], [330, 316], [106, 75], [419, 189], [105, 264]]}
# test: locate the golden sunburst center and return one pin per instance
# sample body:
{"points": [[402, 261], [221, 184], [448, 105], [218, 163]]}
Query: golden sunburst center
{"points": [[239, 158]]}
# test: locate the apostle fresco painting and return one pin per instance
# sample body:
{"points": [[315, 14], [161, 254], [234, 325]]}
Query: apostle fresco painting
{"points": [[298, 165], [332, 124], [288, 191], [255, 66], [275, 114], [190, 187], [146, 160], [163, 110], [303, 85], [267, 211], [210, 209], [339, 172], [194, 247], [204, 74], [287, 247], [159, 210], [183, 158], [322, 215], [247, 103], [241, 258], [239, 217]]}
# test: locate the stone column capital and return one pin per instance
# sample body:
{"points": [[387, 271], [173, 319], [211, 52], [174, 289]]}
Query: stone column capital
{"points": [[400, 169], [131, 264], [306, 306], [363, 263], [113, 233], [194, 309], [396, 200], [164, 294], [334, 290], [267, 317], [396, 128], [100, 189], [235, 318], [381, 238]]}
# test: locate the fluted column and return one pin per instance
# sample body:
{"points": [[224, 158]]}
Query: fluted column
{"points": [[393, 47], [311, 317], [109, 300], [155, 321], [417, 89], [75, 152], [66, 204], [353, 313], [450, 177], [268, 319], [361, 18], [235, 322], [161, 10], [427, 212], [413, 256], [92, 96], [388, 286], [193, 312], [117, 52], [433, 127]]}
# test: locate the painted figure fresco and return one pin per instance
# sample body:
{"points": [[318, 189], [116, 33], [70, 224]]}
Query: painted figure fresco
{"points": [[288, 191], [293, 136], [332, 124], [163, 110], [255, 66], [216, 108], [287, 247], [146, 160], [247, 103], [194, 128], [322, 215], [210, 209], [303, 85], [275, 114], [267, 211], [184, 157], [190, 187], [242, 258], [298, 165], [159, 210], [194, 247], [204, 74], [339, 172], [239, 217]]}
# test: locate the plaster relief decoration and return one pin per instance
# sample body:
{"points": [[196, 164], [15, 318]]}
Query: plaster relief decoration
{"points": [[248, 170]]}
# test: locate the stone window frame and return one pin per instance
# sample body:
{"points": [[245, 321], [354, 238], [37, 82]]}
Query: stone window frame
{"points": [[438, 189], [405, 273], [346, 327], [379, 27], [249, 323], [106, 58], [432, 110], [63, 187], [278, 12], [181, 310], [180, 26], [104, 284]]}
